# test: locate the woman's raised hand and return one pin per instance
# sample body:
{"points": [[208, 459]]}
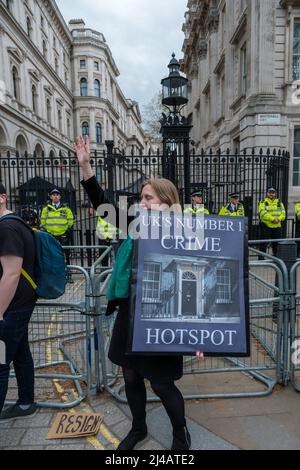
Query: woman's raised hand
{"points": [[82, 149], [83, 152]]}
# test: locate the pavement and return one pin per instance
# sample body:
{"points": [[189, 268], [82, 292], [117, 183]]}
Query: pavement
{"points": [[257, 423]]}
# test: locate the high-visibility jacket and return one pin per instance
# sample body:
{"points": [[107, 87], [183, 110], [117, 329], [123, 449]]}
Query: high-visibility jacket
{"points": [[297, 211], [105, 230], [193, 210], [57, 221], [269, 210], [228, 211]]}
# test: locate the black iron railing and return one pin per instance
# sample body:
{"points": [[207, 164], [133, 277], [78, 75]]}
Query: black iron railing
{"points": [[30, 178]]}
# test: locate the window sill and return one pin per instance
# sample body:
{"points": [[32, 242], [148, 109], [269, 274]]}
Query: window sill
{"points": [[236, 105]]}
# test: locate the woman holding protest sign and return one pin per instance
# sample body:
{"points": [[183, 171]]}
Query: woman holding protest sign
{"points": [[161, 371]]}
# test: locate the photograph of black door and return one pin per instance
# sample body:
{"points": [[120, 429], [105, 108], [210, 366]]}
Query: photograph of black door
{"points": [[189, 294]]}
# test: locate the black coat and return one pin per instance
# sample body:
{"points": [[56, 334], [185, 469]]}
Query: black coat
{"points": [[154, 368]]}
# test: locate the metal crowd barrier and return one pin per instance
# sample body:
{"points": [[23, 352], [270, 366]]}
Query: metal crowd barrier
{"points": [[70, 339], [60, 341], [235, 376]]}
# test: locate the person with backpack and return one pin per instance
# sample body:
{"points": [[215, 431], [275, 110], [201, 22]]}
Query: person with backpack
{"points": [[161, 371], [17, 302], [272, 214]]}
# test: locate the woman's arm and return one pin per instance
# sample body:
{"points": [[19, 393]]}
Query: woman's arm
{"points": [[83, 151], [90, 184]]}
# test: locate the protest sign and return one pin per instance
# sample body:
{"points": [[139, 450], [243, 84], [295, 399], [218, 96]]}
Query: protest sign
{"points": [[69, 426], [190, 287]]}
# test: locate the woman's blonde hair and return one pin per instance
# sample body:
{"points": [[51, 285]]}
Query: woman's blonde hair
{"points": [[165, 190]]}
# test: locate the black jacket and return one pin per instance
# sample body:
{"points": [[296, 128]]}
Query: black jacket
{"points": [[159, 369]]}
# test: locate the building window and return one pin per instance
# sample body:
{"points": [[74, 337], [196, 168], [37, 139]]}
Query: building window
{"points": [[54, 42], [59, 120], [28, 26], [223, 95], [66, 78], [244, 69], [98, 133], [97, 88], [96, 66], [15, 77], [83, 64], [151, 282], [296, 161], [42, 21], [223, 286], [34, 98], [83, 87], [85, 129], [56, 65], [69, 128], [296, 52], [48, 106], [45, 49]]}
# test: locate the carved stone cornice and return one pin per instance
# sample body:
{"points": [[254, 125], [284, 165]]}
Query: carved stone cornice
{"points": [[18, 55], [213, 20], [37, 76], [194, 71], [288, 3], [2, 29], [202, 49]]}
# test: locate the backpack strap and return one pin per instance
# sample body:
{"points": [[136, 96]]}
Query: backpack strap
{"points": [[23, 272], [29, 279]]}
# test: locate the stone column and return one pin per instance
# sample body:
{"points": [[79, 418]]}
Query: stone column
{"points": [[92, 125]]}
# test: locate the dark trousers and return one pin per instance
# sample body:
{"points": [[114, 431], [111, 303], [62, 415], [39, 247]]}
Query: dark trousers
{"points": [[169, 395], [270, 234], [14, 334]]}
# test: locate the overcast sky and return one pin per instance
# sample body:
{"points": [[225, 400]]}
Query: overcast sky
{"points": [[142, 34]]}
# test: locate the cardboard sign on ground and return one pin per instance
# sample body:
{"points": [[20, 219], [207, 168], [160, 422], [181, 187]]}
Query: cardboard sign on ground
{"points": [[70, 426]]}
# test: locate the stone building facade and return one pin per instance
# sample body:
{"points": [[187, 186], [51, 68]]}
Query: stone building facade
{"points": [[56, 81], [242, 58]]}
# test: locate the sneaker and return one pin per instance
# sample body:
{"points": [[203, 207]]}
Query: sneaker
{"points": [[14, 411], [132, 439], [182, 442]]}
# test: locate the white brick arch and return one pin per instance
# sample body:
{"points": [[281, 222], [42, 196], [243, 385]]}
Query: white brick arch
{"points": [[3, 136], [22, 143], [39, 149]]}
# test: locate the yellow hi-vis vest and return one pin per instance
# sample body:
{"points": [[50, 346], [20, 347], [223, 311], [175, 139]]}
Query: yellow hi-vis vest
{"points": [[297, 210], [269, 210], [105, 230], [201, 210], [228, 212], [57, 221]]}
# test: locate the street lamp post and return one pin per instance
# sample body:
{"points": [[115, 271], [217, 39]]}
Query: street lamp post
{"points": [[176, 128]]}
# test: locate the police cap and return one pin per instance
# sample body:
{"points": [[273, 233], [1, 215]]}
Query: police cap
{"points": [[55, 191]]}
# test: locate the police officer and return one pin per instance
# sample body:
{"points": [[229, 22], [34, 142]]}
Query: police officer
{"points": [[297, 215], [271, 214], [58, 220], [197, 206], [235, 208], [105, 230]]}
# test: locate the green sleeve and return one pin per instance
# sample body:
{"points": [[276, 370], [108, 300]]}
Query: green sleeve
{"points": [[70, 217], [44, 216], [283, 213]]}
